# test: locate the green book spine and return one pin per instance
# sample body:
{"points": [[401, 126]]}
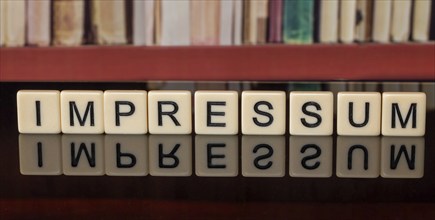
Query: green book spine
{"points": [[298, 21]]}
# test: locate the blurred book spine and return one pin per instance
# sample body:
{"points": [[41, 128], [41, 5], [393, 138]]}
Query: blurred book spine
{"points": [[298, 22], [68, 22]]}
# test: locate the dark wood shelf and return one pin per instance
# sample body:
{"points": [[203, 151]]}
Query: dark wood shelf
{"points": [[269, 62]]}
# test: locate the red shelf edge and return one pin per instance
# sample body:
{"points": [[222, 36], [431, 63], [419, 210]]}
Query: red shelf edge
{"points": [[211, 63]]}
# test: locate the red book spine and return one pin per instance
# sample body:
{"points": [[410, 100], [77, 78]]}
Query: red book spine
{"points": [[275, 21]]}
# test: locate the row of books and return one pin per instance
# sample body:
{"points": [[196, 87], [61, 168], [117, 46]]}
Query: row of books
{"points": [[212, 22]]}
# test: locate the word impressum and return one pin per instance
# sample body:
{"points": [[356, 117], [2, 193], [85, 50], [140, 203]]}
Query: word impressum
{"points": [[217, 112], [222, 155]]}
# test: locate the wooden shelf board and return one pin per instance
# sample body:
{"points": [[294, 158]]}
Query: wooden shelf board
{"points": [[269, 62]]}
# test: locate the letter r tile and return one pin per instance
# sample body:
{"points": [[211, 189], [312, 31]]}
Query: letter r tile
{"points": [[170, 112]]}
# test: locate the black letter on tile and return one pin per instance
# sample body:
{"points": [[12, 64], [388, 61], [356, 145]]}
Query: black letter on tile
{"points": [[210, 156], [75, 159], [170, 155], [350, 154], [262, 157], [40, 164], [267, 114], [118, 114], [210, 113], [366, 117], [38, 113], [409, 159], [312, 114], [73, 109], [119, 164], [310, 157], [170, 114], [412, 110]]}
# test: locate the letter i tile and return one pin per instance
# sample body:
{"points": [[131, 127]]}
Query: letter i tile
{"points": [[38, 111]]}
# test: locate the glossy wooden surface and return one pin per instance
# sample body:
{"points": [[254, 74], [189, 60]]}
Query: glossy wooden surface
{"points": [[149, 197]]}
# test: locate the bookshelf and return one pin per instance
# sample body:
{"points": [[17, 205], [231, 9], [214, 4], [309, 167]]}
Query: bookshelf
{"points": [[269, 62]]}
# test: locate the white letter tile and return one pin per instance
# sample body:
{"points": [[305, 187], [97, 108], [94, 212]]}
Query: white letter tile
{"points": [[170, 112], [403, 113], [38, 111], [359, 113], [82, 112], [125, 112], [263, 112], [216, 112], [311, 113]]}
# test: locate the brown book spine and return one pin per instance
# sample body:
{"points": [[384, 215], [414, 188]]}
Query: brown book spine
{"points": [[275, 21], [68, 22], [38, 22]]}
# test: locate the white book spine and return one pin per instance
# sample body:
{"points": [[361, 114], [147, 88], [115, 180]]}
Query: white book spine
{"points": [[175, 23], [143, 22], [381, 21], [363, 22], [2, 22], [329, 21], [226, 22], [347, 21], [238, 22], [421, 20], [38, 22], [15, 23], [401, 20], [139, 22], [253, 24], [149, 22]]}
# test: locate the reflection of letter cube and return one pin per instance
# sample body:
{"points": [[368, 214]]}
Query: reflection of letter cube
{"points": [[216, 155], [311, 113], [403, 113], [402, 157], [263, 156], [126, 155], [170, 155], [170, 112], [82, 112], [310, 156], [359, 113], [358, 157], [216, 112], [83, 155], [40, 154], [38, 111], [263, 112], [125, 112]]}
